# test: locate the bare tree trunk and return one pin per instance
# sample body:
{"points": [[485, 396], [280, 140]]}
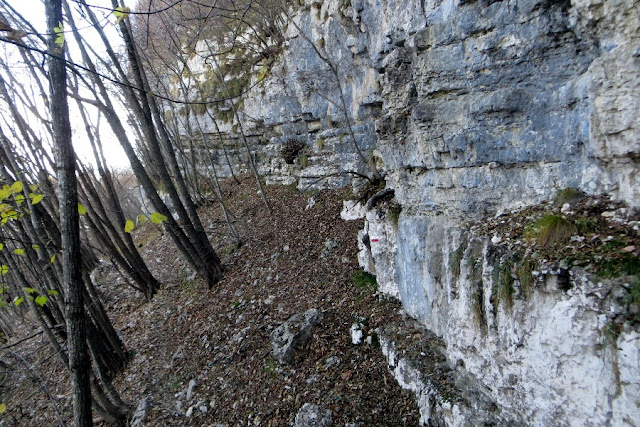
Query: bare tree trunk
{"points": [[79, 361]]}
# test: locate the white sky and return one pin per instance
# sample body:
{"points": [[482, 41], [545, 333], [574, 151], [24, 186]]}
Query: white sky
{"points": [[33, 10]]}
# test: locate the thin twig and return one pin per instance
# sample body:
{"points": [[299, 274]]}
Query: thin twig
{"points": [[21, 341]]}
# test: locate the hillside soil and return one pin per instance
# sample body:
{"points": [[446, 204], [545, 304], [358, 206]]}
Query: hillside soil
{"points": [[203, 357]]}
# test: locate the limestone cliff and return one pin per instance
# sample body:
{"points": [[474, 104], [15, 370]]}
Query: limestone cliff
{"points": [[471, 109]]}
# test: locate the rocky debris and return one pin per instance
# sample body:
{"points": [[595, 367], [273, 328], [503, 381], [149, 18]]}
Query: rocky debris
{"points": [[332, 361], [241, 383], [603, 234], [143, 408], [190, 387], [293, 334], [201, 407], [356, 333], [310, 203], [311, 415], [179, 353], [329, 247]]}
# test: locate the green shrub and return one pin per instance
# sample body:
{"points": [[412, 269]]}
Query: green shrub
{"points": [[365, 281], [626, 264], [551, 229], [634, 292]]}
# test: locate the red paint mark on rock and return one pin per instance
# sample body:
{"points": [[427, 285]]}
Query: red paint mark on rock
{"points": [[375, 240]]}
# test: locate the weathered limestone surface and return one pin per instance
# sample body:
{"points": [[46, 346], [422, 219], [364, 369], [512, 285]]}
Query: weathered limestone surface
{"points": [[469, 108]]}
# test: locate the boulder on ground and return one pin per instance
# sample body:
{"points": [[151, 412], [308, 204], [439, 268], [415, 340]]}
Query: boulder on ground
{"points": [[311, 415], [293, 334]]}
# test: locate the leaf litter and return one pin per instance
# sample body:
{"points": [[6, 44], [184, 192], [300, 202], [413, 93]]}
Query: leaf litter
{"points": [[203, 357]]}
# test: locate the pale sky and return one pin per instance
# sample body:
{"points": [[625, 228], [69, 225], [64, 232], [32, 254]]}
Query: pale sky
{"points": [[33, 10]]}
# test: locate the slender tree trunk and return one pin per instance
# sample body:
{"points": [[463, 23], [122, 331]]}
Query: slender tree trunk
{"points": [[79, 361]]}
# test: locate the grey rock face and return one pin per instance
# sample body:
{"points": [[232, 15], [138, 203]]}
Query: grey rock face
{"points": [[445, 396], [311, 415], [293, 334], [468, 108]]}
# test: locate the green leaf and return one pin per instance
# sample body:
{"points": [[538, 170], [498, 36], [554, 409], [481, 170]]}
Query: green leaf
{"points": [[33, 187], [18, 251], [36, 247], [53, 258], [37, 198], [19, 199], [59, 31], [12, 214], [5, 192], [29, 290], [16, 187], [4, 269], [1, 246], [81, 209], [128, 226], [158, 218], [3, 304], [121, 13], [41, 300], [17, 301], [53, 292], [141, 219], [3, 408], [264, 70]]}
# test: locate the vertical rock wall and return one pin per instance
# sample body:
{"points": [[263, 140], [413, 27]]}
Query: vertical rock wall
{"points": [[470, 108]]}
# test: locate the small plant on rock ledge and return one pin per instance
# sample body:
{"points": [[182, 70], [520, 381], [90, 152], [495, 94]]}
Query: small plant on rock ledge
{"points": [[634, 292], [303, 160], [365, 281], [394, 211], [551, 229]]}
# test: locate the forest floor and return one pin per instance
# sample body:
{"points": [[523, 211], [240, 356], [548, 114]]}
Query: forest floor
{"points": [[203, 357]]}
